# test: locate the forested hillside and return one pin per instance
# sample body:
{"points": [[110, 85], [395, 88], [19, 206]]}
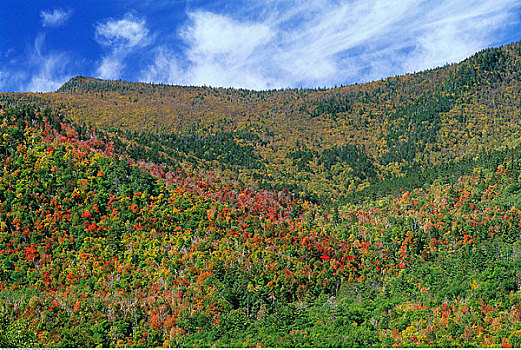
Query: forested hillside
{"points": [[323, 145], [382, 214]]}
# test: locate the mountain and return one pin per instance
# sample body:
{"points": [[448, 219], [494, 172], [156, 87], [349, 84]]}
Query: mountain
{"points": [[323, 145], [381, 214]]}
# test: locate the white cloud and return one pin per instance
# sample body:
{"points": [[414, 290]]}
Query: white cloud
{"points": [[48, 70], [49, 76], [225, 51], [270, 44], [39, 71], [128, 32], [212, 34], [315, 52], [110, 67], [120, 37], [54, 18], [470, 27], [165, 68]]}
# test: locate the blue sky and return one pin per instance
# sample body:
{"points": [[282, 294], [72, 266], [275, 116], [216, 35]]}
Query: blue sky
{"points": [[255, 44]]}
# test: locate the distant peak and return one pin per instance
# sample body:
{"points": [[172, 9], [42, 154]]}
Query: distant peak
{"points": [[79, 83]]}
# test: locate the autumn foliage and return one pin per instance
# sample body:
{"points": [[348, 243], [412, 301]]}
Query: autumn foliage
{"points": [[107, 240]]}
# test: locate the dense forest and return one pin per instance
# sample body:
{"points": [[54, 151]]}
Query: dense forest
{"points": [[375, 215]]}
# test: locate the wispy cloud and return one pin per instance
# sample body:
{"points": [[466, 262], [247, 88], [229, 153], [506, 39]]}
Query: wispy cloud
{"points": [[39, 71], [47, 70], [119, 37], [456, 29], [269, 44], [223, 51], [165, 68], [128, 32], [54, 18], [263, 44]]}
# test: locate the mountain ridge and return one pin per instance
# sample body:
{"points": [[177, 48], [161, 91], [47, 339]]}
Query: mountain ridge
{"points": [[418, 120]]}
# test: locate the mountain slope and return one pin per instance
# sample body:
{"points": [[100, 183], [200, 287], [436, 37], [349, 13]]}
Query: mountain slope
{"points": [[323, 145], [100, 249], [382, 214]]}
